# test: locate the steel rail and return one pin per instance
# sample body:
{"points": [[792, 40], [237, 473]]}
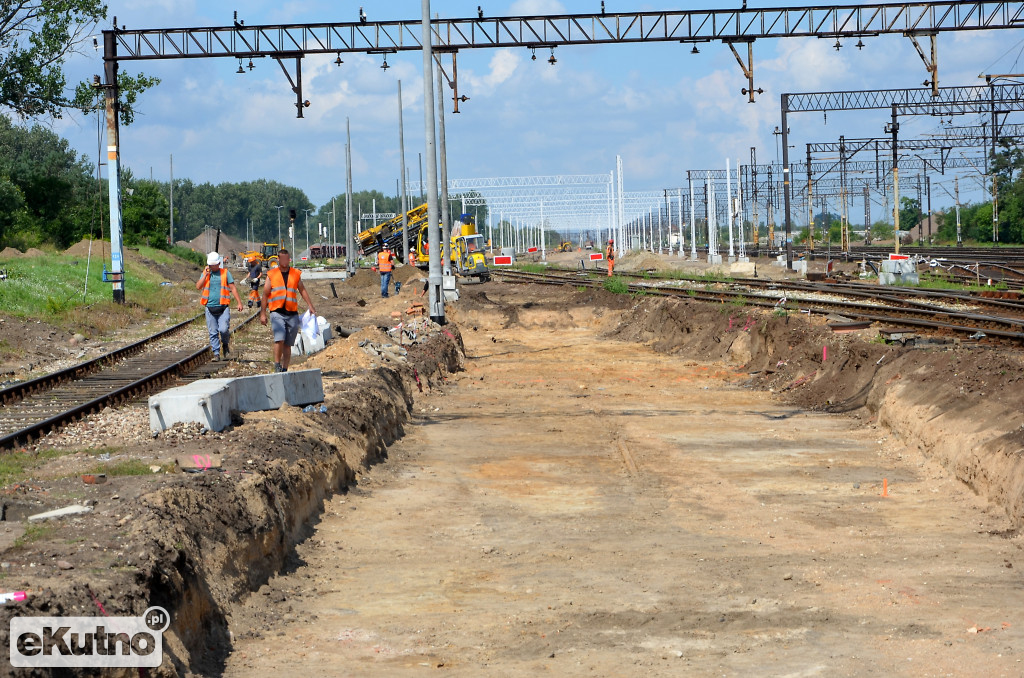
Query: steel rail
{"points": [[47, 381], [113, 397]]}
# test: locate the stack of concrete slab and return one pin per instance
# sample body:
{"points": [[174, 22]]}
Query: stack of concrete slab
{"points": [[308, 344], [898, 272], [210, 401]]}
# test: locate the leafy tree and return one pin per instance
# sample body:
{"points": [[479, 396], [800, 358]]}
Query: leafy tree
{"points": [[46, 190], [910, 213], [881, 230], [36, 39], [146, 214]]}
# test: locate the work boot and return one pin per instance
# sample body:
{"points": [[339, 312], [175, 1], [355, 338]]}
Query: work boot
{"points": [[278, 368], [216, 357], [224, 345]]}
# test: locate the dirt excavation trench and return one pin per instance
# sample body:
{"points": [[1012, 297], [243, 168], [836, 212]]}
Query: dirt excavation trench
{"points": [[583, 499]]}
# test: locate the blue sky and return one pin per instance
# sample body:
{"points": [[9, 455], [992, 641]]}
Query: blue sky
{"points": [[661, 108]]}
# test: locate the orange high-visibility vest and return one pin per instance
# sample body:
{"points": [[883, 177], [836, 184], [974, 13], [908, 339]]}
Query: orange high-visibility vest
{"points": [[384, 262], [225, 293], [283, 295]]}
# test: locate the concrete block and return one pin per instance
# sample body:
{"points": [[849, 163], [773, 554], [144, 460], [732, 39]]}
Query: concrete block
{"points": [[800, 267], [312, 344], [325, 329], [74, 510], [714, 258], [210, 401], [898, 266], [741, 268], [898, 279], [324, 275]]}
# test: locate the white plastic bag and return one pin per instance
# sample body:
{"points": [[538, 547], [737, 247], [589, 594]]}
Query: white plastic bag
{"points": [[308, 324]]}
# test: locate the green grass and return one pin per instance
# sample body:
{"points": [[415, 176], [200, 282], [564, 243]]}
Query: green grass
{"points": [[181, 252], [528, 267], [694, 277], [129, 467], [53, 288], [941, 284], [33, 533], [15, 466], [616, 285]]}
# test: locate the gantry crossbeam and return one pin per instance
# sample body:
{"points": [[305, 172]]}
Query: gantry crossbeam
{"points": [[726, 25], [921, 101]]}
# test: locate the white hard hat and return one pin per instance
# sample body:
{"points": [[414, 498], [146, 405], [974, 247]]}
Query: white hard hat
{"points": [[213, 259]]}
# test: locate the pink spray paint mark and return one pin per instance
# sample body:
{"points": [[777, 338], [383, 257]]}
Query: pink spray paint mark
{"points": [[824, 353]]}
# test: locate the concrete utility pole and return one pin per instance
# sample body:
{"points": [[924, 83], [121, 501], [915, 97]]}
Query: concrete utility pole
{"points": [[401, 152], [172, 201], [350, 249], [112, 109], [728, 207], [619, 244], [434, 280], [693, 220], [279, 208], [307, 211], [895, 128], [446, 217]]}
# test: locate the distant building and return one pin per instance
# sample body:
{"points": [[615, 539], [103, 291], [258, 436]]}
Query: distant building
{"points": [[919, 232]]}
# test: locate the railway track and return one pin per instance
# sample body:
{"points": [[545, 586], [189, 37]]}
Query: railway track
{"points": [[33, 409], [936, 313]]}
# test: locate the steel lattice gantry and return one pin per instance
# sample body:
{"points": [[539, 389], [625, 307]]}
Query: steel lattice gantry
{"points": [[991, 98], [727, 25]]}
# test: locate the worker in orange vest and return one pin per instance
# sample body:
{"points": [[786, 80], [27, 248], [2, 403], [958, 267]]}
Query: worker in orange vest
{"points": [[217, 283], [609, 254], [385, 264], [281, 298]]}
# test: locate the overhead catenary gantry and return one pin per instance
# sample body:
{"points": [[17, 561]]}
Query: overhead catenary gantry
{"points": [[941, 101], [730, 26]]}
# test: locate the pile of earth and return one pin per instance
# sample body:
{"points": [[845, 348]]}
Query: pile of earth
{"points": [[228, 247]]}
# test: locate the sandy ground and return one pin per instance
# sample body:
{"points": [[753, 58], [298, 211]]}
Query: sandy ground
{"points": [[572, 505]]}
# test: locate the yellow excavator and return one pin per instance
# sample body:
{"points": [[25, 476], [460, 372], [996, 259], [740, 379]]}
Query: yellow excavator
{"points": [[267, 254], [468, 249]]}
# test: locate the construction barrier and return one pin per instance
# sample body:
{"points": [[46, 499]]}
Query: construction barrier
{"points": [[500, 260], [596, 256], [533, 249]]}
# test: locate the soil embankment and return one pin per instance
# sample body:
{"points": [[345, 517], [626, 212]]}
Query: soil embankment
{"points": [[960, 405]]}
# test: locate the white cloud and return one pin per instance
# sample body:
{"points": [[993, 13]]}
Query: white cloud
{"points": [[503, 66], [535, 7], [807, 64]]}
